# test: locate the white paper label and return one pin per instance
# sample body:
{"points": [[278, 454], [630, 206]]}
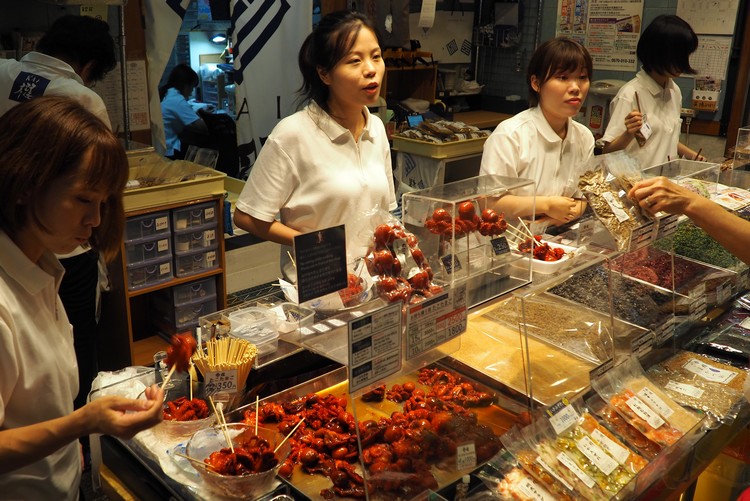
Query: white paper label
{"points": [[552, 472], [596, 455], [620, 453], [162, 223], [208, 213], [685, 389], [645, 412], [533, 491], [162, 245], [466, 456], [646, 130], [655, 402], [165, 268], [616, 206], [709, 372], [570, 464], [221, 382]]}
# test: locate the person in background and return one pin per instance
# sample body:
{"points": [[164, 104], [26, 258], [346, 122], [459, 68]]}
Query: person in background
{"points": [[645, 114], [330, 162], [660, 194], [63, 174], [176, 112], [72, 56], [544, 143]]}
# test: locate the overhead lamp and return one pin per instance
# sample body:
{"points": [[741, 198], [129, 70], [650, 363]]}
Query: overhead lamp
{"points": [[219, 38]]}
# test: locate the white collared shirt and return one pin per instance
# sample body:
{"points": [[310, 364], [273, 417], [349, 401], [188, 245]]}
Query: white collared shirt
{"points": [[525, 146], [38, 372], [38, 74], [662, 109], [313, 174]]}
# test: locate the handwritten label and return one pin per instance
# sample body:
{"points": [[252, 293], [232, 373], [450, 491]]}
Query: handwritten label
{"points": [[656, 402], [645, 412], [570, 464], [620, 453], [615, 206], [162, 245], [162, 223], [221, 382], [552, 472], [466, 456], [209, 213], [685, 389], [596, 455], [709, 372], [562, 415], [533, 491], [165, 268]]}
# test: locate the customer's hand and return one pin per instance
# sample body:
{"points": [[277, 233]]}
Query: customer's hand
{"points": [[661, 194]]}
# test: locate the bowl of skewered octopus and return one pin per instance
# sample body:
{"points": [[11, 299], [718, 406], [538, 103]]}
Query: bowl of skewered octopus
{"points": [[183, 415], [248, 471]]}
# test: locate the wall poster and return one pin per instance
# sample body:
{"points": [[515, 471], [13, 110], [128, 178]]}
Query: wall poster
{"points": [[608, 28]]}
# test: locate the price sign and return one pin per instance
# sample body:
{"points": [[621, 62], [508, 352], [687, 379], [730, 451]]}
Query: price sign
{"points": [[221, 382], [466, 456], [500, 246], [562, 415], [451, 264]]}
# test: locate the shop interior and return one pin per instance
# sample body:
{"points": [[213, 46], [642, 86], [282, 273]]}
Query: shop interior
{"points": [[499, 349]]}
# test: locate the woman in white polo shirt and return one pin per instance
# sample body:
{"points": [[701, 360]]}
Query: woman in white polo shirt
{"points": [[329, 162], [543, 143]]}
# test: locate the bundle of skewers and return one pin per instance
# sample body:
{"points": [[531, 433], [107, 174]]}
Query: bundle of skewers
{"points": [[228, 353]]}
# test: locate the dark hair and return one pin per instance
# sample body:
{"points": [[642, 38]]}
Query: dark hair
{"points": [[559, 54], [329, 42], [666, 44], [180, 77], [47, 138], [81, 40]]}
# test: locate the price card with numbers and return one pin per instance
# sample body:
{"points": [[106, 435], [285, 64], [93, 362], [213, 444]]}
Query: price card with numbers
{"points": [[221, 382], [374, 346], [466, 456], [435, 320], [562, 415]]}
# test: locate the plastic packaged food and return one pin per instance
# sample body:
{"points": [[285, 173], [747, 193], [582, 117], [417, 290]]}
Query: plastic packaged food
{"points": [[507, 481]]}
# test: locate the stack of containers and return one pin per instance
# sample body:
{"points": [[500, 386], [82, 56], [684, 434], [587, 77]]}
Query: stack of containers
{"points": [[194, 238], [148, 250]]}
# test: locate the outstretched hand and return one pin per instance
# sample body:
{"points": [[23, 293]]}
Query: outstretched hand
{"points": [[124, 417], [661, 194]]}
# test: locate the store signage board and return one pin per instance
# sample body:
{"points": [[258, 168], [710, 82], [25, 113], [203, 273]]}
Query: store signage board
{"points": [[320, 259], [374, 346], [435, 320]]}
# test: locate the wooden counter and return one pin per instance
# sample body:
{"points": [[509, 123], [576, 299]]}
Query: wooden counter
{"points": [[481, 118]]}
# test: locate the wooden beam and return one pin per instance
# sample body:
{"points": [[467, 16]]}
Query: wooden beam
{"points": [[739, 99]]}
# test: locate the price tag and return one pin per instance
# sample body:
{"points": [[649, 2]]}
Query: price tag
{"points": [[586, 230], [500, 245], [221, 382], [466, 456], [562, 415], [451, 263]]}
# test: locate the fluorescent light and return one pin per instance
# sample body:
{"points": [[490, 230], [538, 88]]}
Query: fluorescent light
{"points": [[219, 38]]}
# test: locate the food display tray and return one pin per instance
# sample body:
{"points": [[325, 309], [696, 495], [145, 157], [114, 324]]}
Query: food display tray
{"points": [[439, 150]]}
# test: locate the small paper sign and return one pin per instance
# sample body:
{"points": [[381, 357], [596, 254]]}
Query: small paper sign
{"points": [[221, 382]]}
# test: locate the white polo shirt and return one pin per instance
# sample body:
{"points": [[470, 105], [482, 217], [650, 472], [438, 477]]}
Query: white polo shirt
{"points": [[314, 175], [38, 74], [662, 109], [525, 146], [38, 372]]}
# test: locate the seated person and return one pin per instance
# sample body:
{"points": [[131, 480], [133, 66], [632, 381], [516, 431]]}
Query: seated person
{"points": [[179, 117]]}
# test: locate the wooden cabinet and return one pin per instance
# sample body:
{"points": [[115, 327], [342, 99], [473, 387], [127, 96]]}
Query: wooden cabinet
{"points": [[170, 270], [409, 74]]}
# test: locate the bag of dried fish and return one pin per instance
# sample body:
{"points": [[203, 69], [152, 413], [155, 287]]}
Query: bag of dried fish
{"points": [[643, 404], [629, 434], [608, 199], [508, 481], [698, 382]]}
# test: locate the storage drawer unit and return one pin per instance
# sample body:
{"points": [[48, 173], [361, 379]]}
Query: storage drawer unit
{"points": [[145, 275], [201, 237], [194, 216], [195, 262], [147, 250], [148, 225]]}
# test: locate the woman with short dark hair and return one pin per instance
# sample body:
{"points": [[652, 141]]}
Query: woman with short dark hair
{"points": [[645, 114], [176, 112]]}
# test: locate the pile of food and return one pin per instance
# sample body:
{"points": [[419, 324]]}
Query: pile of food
{"points": [[185, 409], [542, 251], [355, 287], [398, 266], [489, 224], [400, 451], [250, 454], [443, 131]]}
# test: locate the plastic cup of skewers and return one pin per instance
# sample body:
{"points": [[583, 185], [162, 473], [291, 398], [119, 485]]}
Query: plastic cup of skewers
{"points": [[182, 417], [248, 472]]}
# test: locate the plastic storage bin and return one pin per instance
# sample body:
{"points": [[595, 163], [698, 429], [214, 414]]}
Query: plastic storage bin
{"points": [[148, 250], [192, 292], [195, 262], [194, 216], [148, 274], [256, 324], [194, 239], [184, 317], [148, 225]]}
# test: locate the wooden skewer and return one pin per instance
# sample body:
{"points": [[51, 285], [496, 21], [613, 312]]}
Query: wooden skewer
{"points": [[169, 376], [256, 414], [193, 460], [697, 155], [290, 434], [291, 258], [190, 382], [638, 103], [222, 423]]}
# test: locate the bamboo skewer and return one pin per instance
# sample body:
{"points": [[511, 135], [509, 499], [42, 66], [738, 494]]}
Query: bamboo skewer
{"points": [[290, 434], [194, 461], [222, 423], [256, 414], [169, 376]]}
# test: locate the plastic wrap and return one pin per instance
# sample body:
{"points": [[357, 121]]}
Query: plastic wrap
{"points": [[701, 383], [509, 482], [644, 405]]}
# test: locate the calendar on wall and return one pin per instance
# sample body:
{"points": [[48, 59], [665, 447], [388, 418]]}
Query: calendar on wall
{"points": [[723, 14], [711, 58]]}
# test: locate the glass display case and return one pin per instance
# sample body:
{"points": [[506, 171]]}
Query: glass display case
{"points": [[468, 232]]}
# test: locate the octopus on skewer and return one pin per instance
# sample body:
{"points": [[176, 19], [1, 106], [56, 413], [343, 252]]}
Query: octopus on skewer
{"points": [[185, 409], [252, 454], [181, 348], [490, 223]]}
